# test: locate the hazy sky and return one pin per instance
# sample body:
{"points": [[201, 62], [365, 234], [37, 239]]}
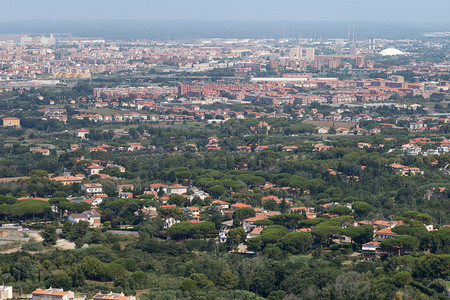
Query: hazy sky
{"points": [[297, 10]]}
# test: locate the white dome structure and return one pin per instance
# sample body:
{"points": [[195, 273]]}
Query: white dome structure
{"points": [[391, 52]]}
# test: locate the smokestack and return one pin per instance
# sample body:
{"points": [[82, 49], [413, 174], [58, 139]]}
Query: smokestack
{"points": [[348, 34], [353, 32]]}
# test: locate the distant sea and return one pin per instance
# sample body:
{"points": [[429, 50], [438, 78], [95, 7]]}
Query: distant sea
{"points": [[186, 30]]}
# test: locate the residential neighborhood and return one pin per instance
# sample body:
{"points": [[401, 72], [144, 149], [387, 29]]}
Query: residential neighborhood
{"points": [[224, 159]]}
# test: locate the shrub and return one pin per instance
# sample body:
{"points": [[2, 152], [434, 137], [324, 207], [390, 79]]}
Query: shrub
{"points": [[32, 246]]}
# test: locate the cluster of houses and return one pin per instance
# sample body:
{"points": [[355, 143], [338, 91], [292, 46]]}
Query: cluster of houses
{"points": [[6, 292], [383, 232], [93, 168], [406, 171], [382, 229], [162, 193], [414, 148], [194, 112]]}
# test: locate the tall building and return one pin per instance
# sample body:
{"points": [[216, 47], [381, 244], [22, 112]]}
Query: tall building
{"points": [[309, 54], [352, 49], [338, 49], [360, 61], [295, 53], [372, 44]]}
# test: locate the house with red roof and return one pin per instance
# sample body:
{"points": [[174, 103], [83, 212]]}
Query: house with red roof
{"points": [[221, 204], [94, 169], [239, 205], [81, 133], [53, 294], [248, 224], [274, 198], [384, 234], [92, 216], [65, 180], [176, 189]]}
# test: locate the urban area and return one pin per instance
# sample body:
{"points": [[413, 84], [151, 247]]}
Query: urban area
{"points": [[288, 168]]}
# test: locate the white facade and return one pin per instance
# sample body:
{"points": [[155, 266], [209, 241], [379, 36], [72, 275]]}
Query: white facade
{"points": [[82, 133], [92, 188], [176, 189], [6, 292], [169, 222]]}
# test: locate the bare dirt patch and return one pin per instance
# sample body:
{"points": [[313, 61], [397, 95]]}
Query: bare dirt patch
{"points": [[64, 244]]}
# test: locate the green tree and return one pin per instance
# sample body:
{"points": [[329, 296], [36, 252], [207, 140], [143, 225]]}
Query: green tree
{"points": [[189, 285], [228, 281], [361, 208], [49, 235], [402, 278], [296, 242], [201, 281], [324, 233], [359, 234], [242, 214], [235, 237], [140, 278], [217, 190], [79, 242], [60, 279], [67, 230], [114, 270], [340, 210], [273, 252], [92, 268], [171, 212], [178, 200], [271, 234], [79, 230], [289, 221], [405, 242], [24, 268]]}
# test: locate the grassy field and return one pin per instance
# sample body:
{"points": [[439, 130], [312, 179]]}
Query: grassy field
{"points": [[330, 124], [3, 180]]}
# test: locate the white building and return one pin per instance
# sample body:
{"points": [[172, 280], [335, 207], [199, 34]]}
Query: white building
{"points": [[442, 149], [82, 133], [431, 152], [414, 151], [170, 222], [92, 216], [198, 193], [6, 292], [391, 52], [223, 236], [94, 169], [92, 188], [176, 189]]}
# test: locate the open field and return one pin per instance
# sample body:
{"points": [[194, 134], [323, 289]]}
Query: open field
{"points": [[330, 124], [10, 179]]}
